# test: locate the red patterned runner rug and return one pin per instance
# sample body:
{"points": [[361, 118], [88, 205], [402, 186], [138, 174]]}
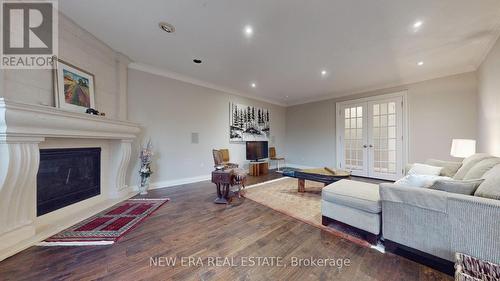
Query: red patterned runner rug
{"points": [[108, 226]]}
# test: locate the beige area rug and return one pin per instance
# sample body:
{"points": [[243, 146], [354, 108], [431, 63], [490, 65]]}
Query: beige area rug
{"points": [[282, 195]]}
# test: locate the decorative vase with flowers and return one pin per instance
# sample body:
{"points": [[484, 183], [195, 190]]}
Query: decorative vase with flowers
{"points": [[146, 156]]}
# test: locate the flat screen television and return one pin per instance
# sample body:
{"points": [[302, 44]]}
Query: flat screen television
{"points": [[257, 150]]}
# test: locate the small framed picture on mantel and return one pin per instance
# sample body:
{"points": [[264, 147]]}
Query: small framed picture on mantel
{"points": [[74, 87]]}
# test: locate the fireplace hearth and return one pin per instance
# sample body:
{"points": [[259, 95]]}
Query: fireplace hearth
{"points": [[67, 176]]}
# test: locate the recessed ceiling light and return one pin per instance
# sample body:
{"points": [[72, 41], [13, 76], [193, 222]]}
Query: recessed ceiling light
{"points": [[417, 25], [167, 27], [286, 96], [323, 72], [420, 63], [253, 85], [248, 30], [198, 61]]}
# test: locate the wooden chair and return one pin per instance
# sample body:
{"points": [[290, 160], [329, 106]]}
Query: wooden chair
{"points": [[273, 157], [221, 158]]}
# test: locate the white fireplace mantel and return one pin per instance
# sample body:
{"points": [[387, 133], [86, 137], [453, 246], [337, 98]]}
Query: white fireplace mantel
{"points": [[22, 128], [18, 120]]}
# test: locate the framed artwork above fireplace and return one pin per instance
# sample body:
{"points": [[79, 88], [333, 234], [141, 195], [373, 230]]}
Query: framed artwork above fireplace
{"points": [[74, 87]]}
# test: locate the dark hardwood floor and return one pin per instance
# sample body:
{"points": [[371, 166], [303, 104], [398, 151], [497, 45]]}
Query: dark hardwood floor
{"points": [[191, 225]]}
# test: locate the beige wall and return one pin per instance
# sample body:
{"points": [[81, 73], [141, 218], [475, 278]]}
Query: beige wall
{"points": [[170, 110], [489, 102], [82, 49], [310, 134], [438, 111]]}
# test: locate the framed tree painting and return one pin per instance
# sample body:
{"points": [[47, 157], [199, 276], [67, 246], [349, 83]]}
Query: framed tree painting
{"points": [[74, 87], [248, 123]]}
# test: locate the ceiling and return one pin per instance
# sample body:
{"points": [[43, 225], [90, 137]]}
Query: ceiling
{"points": [[362, 44]]}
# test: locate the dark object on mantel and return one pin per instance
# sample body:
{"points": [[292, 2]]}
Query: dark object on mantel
{"points": [[94, 112]]}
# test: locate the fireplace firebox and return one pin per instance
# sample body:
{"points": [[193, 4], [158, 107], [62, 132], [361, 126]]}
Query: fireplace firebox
{"points": [[67, 176]]}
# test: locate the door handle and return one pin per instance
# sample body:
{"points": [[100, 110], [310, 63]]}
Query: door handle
{"points": [[371, 145], [365, 146]]}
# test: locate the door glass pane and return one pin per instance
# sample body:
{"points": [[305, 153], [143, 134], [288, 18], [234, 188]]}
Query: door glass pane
{"points": [[392, 168], [383, 132], [384, 137], [392, 108], [353, 136], [392, 156], [392, 132], [392, 144], [383, 121], [391, 120], [360, 111], [383, 144]]}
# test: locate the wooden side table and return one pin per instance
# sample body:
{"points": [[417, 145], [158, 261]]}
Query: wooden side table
{"points": [[222, 180], [259, 168]]}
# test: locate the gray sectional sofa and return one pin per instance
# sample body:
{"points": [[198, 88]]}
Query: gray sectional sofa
{"points": [[433, 222], [442, 223]]}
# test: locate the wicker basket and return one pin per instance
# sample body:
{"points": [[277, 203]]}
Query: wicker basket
{"points": [[468, 268]]}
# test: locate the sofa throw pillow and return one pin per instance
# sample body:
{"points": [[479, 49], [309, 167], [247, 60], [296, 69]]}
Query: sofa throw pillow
{"points": [[419, 180], [490, 188], [478, 170], [467, 187], [449, 168], [468, 163], [423, 169]]}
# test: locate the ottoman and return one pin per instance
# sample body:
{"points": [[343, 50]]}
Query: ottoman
{"points": [[353, 203]]}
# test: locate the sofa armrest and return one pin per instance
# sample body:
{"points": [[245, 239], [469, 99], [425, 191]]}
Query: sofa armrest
{"points": [[416, 217], [424, 198], [475, 227]]}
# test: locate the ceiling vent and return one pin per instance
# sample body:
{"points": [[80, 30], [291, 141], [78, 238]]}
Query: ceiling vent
{"points": [[167, 27]]}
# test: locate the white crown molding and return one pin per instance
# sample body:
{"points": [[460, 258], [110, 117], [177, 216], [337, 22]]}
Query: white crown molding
{"points": [[173, 75], [489, 45], [401, 84], [389, 87]]}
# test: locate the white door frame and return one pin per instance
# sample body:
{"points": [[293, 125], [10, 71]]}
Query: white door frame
{"points": [[403, 94], [341, 135]]}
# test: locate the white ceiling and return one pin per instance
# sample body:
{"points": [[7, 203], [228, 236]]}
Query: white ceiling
{"points": [[363, 44]]}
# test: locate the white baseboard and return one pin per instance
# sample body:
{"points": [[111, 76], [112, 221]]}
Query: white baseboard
{"points": [[176, 182], [298, 166]]}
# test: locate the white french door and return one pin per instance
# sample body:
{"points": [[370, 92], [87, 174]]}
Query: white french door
{"points": [[370, 136]]}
